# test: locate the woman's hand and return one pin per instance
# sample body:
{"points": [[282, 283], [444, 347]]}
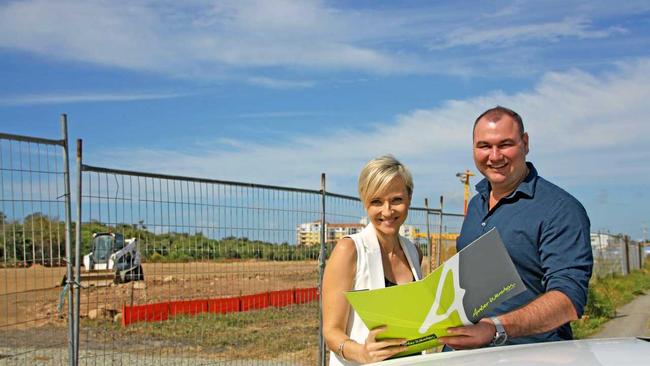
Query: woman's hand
{"points": [[374, 350]]}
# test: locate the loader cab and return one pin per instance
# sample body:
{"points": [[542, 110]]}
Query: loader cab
{"points": [[105, 244]]}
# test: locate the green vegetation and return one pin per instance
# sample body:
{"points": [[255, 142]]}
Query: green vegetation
{"points": [[39, 237], [606, 295], [262, 334]]}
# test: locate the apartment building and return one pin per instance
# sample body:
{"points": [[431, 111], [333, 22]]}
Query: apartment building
{"points": [[308, 233]]}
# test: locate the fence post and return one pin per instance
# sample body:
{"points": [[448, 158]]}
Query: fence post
{"points": [[626, 250], [429, 241], [68, 247], [77, 284], [601, 265], [439, 244], [321, 270], [640, 248]]}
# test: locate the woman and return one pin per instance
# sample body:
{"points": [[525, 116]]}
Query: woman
{"points": [[376, 257]]}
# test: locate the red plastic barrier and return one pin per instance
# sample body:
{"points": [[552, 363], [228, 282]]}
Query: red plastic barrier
{"points": [[282, 298], [254, 302], [225, 305], [145, 313], [304, 295], [188, 307], [162, 311]]}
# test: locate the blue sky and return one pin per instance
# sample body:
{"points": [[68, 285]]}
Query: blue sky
{"points": [[277, 92]]}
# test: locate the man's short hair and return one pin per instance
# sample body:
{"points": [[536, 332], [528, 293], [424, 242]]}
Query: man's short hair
{"points": [[495, 114]]}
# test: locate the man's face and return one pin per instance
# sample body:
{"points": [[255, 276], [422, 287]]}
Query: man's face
{"points": [[500, 152]]}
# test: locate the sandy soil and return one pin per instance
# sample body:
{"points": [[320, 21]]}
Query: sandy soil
{"points": [[29, 296], [31, 322]]}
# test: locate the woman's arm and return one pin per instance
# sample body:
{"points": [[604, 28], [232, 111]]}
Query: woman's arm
{"points": [[339, 277]]}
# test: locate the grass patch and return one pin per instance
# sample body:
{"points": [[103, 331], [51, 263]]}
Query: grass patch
{"points": [[608, 294], [287, 333]]}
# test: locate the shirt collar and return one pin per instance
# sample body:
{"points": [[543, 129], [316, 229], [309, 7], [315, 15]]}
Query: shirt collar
{"points": [[526, 187]]}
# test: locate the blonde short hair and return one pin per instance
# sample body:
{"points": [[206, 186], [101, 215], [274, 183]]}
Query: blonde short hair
{"points": [[378, 173]]}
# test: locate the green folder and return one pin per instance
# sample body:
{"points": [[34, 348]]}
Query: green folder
{"points": [[461, 291]]}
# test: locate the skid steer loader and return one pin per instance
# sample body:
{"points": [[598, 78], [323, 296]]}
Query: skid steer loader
{"points": [[112, 258]]}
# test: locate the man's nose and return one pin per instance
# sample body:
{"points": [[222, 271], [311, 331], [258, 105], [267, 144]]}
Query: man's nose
{"points": [[495, 153]]}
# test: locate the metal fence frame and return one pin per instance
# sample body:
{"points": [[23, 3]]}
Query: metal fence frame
{"points": [[63, 144], [87, 169], [325, 210]]}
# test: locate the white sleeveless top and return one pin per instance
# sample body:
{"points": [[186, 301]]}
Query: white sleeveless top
{"points": [[370, 275]]}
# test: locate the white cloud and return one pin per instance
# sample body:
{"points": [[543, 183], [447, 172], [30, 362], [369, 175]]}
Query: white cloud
{"points": [[187, 41], [506, 35], [98, 32], [243, 39], [582, 127], [33, 99], [279, 84]]}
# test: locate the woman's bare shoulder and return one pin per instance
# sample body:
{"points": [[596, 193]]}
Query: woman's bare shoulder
{"points": [[345, 250]]}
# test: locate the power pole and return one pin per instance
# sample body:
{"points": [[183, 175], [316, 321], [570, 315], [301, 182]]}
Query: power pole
{"points": [[464, 178]]}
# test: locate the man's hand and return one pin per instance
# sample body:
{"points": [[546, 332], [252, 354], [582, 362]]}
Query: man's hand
{"points": [[470, 336]]}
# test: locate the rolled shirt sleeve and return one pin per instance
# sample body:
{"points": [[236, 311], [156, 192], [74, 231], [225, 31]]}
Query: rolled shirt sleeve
{"points": [[565, 252]]}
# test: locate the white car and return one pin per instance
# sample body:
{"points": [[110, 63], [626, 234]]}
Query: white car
{"points": [[587, 352]]}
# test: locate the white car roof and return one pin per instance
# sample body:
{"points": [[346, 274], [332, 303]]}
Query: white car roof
{"points": [[589, 352]]}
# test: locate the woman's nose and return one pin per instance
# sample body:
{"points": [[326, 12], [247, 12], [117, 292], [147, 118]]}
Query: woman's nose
{"points": [[386, 209]]}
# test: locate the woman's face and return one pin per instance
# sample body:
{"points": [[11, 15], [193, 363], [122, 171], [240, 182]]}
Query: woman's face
{"points": [[388, 210]]}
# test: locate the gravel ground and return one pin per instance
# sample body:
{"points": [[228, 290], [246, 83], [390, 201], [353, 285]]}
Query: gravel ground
{"points": [[59, 356]]}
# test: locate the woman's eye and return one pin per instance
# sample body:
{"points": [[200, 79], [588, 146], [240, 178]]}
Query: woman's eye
{"points": [[375, 202], [397, 200]]}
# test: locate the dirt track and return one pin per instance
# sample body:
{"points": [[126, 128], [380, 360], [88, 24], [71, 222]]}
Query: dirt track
{"points": [[29, 296], [632, 320]]}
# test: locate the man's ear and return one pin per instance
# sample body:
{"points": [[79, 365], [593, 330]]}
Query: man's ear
{"points": [[524, 138]]}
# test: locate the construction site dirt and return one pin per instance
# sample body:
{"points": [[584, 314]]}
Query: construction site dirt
{"points": [[33, 304], [30, 297]]}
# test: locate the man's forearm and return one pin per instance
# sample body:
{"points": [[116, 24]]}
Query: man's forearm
{"points": [[545, 313]]}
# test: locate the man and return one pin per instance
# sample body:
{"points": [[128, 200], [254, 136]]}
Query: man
{"points": [[544, 229]]}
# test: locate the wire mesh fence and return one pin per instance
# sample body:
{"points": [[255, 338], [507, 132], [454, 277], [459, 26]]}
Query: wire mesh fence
{"points": [[225, 279], [230, 270], [34, 200], [615, 254], [181, 270]]}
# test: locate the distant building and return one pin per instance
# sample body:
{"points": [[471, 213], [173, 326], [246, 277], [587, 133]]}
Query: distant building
{"points": [[601, 241], [410, 232], [308, 233]]}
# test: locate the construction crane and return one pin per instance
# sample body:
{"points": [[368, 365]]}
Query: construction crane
{"points": [[464, 178]]}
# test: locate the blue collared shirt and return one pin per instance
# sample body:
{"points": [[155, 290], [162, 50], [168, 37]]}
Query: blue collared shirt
{"points": [[546, 233]]}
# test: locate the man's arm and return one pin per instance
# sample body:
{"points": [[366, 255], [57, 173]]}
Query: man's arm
{"points": [[543, 314]]}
